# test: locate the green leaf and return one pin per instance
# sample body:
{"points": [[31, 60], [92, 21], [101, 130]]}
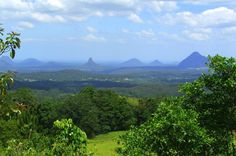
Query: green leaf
{"points": [[12, 54], [18, 42]]}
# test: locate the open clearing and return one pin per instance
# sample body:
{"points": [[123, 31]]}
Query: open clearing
{"points": [[105, 144]]}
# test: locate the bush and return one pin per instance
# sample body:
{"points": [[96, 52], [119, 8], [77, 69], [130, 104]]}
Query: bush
{"points": [[171, 131], [70, 140]]}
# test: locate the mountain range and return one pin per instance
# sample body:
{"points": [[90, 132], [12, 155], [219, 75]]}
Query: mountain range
{"points": [[195, 60]]}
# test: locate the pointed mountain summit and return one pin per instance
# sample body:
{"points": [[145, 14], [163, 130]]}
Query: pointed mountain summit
{"points": [[132, 63], [91, 66], [155, 63], [90, 63], [195, 60]]}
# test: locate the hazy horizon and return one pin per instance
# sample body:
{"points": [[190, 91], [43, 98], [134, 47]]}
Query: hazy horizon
{"points": [[119, 30], [111, 62]]}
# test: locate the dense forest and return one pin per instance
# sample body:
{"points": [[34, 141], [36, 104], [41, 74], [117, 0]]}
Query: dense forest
{"points": [[200, 120]]}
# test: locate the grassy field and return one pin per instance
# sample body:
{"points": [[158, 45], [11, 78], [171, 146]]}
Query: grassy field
{"points": [[105, 144]]}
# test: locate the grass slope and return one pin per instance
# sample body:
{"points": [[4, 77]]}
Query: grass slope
{"points": [[105, 144]]}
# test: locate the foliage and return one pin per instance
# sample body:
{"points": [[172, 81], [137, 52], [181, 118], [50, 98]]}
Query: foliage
{"points": [[47, 113], [10, 44], [171, 131], [98, 111], [6, 108], [145, 108], [213, 97], [70, 140], [5, 81], [38, 145], [17, 118], [9, 130]]}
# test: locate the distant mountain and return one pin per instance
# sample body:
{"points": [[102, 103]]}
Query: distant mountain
{"points": [[90, 63], [155, 63], [31, 62], [195, 60], [54, 66], [132, 63]]}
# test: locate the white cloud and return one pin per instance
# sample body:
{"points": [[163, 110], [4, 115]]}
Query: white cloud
{"points": [[43, 17], [93, 38], [171, 36], [217, 17], [201, 26], [163, 5], [199, 34], [15, 5], [77, 18], [52, 4], [196, 35], [146, 34], [24, 25], [91, 29], [79, 10], [221, 16], [205, 2], [135, 18]]}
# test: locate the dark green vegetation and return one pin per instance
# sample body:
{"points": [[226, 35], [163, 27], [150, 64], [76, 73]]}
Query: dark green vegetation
{"points": [[161, 76], [146, 84], [199, 121]]}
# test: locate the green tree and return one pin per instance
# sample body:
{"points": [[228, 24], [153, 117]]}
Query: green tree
{"points": [[98, 111], [145, 108], [70, 140], [83, 111], [171, 131], [10, 44], [213, 97]]}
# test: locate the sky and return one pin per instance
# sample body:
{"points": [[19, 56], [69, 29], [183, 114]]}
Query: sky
{"points": [[117, 30]]}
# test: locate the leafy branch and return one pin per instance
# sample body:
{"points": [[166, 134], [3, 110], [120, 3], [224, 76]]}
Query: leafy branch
{"points": [[9, 44]]}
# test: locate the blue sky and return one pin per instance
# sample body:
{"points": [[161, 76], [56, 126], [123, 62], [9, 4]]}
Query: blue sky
{"points": [[116, 30]]}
